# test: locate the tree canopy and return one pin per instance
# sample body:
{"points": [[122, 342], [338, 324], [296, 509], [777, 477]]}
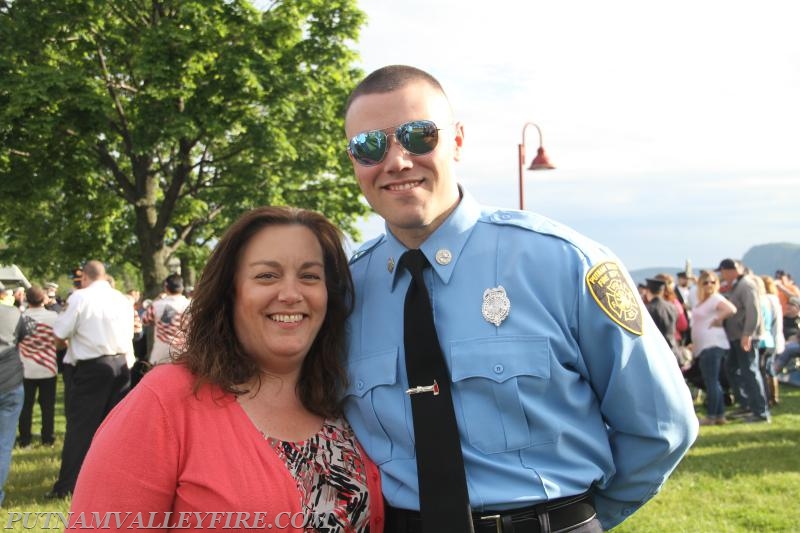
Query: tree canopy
{"points": [[137, 130]]}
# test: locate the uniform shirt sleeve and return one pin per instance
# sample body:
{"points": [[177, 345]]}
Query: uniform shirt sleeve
{"points": [[66, 322], [126, 326], [644, 401]]}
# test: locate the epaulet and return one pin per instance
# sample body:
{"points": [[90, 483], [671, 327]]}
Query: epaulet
{"points": [[524, 219], [540, 224], [366, 248]]}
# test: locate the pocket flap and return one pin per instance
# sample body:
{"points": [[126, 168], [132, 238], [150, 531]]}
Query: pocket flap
{"points": [[500, 358], [370, 371]]}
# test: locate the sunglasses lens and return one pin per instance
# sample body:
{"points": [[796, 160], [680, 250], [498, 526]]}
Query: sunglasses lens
{"points": [[368, 148], [418, 137]]}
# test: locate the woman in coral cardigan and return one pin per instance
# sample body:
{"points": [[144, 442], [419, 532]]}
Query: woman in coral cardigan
{"points": [[243, 430]]}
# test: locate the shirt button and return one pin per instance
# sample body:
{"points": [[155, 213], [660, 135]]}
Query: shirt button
{"points": [[506, 216], [498, 369], [360, 384]]}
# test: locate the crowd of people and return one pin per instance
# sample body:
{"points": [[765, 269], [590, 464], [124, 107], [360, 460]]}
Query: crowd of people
{"points": [[732, 331], [91, 339], [472, 369]]}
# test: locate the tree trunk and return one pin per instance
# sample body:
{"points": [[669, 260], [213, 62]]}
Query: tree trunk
{"points": [[154, 270], [188, 273], [152, 252]]}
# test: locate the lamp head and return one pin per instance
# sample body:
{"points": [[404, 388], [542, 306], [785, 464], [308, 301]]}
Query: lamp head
{"points": [[541, 161]]}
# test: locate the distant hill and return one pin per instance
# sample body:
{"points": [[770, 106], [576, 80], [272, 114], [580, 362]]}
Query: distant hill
{"points": [[762, 259], [643, 273], [767, 258]]}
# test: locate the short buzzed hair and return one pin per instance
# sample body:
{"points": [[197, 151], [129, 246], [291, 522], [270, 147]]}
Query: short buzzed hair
{"points": [[391, 78], [174, 284], [94, 270], [35, 295]]}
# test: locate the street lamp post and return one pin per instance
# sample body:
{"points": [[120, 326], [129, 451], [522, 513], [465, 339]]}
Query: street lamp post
{"points": [[540, 162]]}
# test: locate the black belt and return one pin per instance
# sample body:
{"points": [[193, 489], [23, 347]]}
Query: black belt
{"points": [[551, 516], [99, 358]]}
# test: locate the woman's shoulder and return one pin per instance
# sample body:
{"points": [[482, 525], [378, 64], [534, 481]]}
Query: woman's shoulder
{"points": [[173, 374], [174, 383], [718, 298], [168, 381]]}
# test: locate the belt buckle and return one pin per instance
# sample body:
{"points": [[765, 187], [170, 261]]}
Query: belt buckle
{"points": [[498, 521]]}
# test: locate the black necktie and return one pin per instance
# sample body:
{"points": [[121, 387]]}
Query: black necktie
{"points": [[443, 496]]}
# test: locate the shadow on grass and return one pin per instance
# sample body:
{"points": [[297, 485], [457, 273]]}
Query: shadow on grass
{"points": [[33, 471], [36, 453]]}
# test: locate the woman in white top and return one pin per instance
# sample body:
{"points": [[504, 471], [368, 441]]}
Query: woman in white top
{"points": [[710, 342]]}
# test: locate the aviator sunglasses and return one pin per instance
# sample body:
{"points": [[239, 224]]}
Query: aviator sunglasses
{"points": [[417, 137]]}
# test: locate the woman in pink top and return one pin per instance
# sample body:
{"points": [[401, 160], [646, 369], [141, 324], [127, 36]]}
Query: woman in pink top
{"points": [[244, 431], [710, 343]]}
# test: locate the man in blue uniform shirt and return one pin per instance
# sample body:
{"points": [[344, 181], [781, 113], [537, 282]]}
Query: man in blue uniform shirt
{"points": [[561, 383]]}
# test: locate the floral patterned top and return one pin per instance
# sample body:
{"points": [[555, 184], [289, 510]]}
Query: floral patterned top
{"points": [[331, 478]]}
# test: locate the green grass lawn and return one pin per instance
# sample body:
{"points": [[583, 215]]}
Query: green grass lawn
{"points": [[33, 471], [737, 478]]}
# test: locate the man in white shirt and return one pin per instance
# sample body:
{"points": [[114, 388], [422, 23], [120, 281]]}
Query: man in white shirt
{"points": [[165, 315], [98, 323]]}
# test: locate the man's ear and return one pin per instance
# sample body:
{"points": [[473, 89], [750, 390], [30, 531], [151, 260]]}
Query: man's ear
{"points": [[459, 140]]}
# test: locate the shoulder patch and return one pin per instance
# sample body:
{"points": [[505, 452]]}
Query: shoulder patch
{"points": [[615, 296], [366, 248]]}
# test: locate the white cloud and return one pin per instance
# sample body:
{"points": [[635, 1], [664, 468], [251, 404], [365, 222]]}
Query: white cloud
{"points": [[674, 126]]}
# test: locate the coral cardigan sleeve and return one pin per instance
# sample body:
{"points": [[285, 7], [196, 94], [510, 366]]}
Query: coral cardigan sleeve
{"points": [[132, 466]]}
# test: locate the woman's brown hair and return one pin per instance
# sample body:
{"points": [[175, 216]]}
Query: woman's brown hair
{"points": [[669, 286], [212, 351]]}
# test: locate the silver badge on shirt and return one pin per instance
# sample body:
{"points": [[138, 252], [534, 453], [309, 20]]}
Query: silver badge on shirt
{"points": [[496, 305]]}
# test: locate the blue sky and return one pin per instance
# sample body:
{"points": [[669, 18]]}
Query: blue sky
{"points": [[675, 126]]}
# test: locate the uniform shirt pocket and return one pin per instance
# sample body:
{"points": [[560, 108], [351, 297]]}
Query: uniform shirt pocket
{"points": [[490, 377], [373, 407]]}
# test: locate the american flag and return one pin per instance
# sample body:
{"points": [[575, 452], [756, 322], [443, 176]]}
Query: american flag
{"points": [[40, 346], [168, 327], [137, 322], [149, 315]]}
